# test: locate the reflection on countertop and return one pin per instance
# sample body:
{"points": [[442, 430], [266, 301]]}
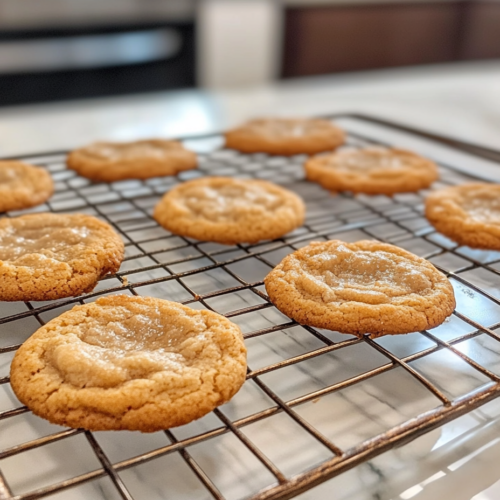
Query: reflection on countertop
{"points": [[456, 461]]}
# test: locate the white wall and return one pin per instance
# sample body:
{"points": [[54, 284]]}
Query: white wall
{"points": [[239, 42]]}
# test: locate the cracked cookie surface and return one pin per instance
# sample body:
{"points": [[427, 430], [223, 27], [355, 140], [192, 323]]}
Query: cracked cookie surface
{"points": [[285, 136], [133, 363], [372, 170], [23, 185], [227, 210], [114, 161], [358, 288], [50, 256], [468, 214]]}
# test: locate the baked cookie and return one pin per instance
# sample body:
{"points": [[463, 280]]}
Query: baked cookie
{"points": [[229, 211], [468, 214], [135, 363], [23, 185], [285, 136], [358, 288], [48, 256], [372, 170], [114, 161]]}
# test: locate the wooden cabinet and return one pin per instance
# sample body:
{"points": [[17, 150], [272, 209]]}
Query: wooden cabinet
{"points": [[331, 39], [481, 39]]}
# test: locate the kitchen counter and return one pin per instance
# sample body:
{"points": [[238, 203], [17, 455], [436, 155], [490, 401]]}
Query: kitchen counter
{"points": [[457, 461], [459, 100]]}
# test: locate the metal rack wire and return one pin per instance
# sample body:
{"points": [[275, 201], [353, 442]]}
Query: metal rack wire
{"points": [[293, 379]]}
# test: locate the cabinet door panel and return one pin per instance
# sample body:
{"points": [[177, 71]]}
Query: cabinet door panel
{"points": [[330, 39], [482, 33]]}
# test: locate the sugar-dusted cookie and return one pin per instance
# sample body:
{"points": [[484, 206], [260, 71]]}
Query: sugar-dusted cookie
{"points": [[285, 136], [372, 170], [114, 161], [135, 363], [23, 185], [358, 288], [468, 214], [47, 256], [229, 210]]}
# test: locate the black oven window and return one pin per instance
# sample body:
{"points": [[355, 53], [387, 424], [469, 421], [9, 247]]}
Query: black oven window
{"points": [[50, 65]]}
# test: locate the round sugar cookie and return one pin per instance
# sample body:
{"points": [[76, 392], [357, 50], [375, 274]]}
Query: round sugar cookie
{"points": [[133, 363], [372, 170], [114, 161], [23, 186], [285, 136], [358, 288], [468, 214], [49, 256], [228, 211]]}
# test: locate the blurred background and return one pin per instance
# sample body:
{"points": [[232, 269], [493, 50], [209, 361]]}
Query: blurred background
{"points": [[65, 49]]}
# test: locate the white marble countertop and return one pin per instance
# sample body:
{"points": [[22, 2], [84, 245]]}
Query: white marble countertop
{"points": [[456, 461], [459, 100]]}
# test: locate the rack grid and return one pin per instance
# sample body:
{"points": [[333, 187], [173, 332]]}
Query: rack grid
{"points": [[316, 403]]}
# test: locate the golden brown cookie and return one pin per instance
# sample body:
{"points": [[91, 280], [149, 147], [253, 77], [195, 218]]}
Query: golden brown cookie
{"points": [[135, 363], [285, 136], [47, 256], [23, 185], [358, 288], [468, 214], [114, 161], [373, 170], [229, 210]]}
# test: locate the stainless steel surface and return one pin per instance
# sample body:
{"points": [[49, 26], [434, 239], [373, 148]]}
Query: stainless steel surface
{"points": [[32, 14], [316, 403], [89, 51]]}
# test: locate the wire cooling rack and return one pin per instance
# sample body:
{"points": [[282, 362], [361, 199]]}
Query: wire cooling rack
{"points": [[316, 403]]}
